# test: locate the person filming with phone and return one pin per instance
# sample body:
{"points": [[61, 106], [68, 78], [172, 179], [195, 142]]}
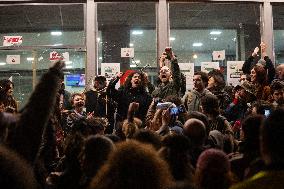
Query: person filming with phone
{"points": [[169, 76]]}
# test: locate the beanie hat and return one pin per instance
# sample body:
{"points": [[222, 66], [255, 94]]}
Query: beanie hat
{"points": [[213, 161]]}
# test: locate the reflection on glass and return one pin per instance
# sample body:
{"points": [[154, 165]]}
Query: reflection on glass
{"points": [[198, 29], [278, 31], [127, 25]]}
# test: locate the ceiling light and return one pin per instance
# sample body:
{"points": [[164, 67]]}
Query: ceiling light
{"points": [[68, 67], [98, 39], [56, 33], [197, 44], [100, 58], [132, 66], [137, 32], [68, 62], [172, 38], [58, 44], [2, 63], [195, 56], [131, 44], [214, 38], [215, 32], [30, 59]]}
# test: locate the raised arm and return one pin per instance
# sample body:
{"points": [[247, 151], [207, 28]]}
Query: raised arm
{"points": [[28, 134]]}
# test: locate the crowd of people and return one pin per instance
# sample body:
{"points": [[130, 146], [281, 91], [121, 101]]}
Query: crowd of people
{"points": [[138, 136]]}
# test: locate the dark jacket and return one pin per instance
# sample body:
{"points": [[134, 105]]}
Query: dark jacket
{"points": [[172, 87], [250, 63], [124, 96]]}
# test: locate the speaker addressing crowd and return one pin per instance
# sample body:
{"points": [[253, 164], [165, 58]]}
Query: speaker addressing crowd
{"points": [[146, 136]]}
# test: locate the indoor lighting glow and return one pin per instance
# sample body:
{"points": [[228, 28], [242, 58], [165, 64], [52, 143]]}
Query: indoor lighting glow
{"points": [[100, 58], [132, 65], [137, 32], [136, 61], [195, 56], [56, 33], [68, 67], [214, 38], [172, 38], [131, 44], [58, 44], [30, 59], [197, 44], [68, 62], [215, 32], [2, 63], [98, 39]]}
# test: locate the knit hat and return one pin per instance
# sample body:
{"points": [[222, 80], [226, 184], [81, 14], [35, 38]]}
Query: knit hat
{"points": [[213, 161]]}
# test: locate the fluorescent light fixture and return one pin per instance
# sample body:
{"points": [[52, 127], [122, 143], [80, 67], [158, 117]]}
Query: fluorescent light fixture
{"points": [[68, 67], [58, 44], [215, 32], [131, 44], [137, 32], [172, 38], [2, 63], [56, 33], [195, 56], [214, 38], [100, 58], [30, 59], [197, 44], [98, 39], [68, 62], [132, 66]]}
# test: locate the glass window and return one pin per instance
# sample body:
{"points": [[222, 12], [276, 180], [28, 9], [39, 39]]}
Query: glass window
{"points": [[127, 25], [42, 28], [278, 31], [198, 29]]}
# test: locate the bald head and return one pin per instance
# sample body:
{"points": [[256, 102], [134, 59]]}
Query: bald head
{"points": [[280, 72], [195, 130]]}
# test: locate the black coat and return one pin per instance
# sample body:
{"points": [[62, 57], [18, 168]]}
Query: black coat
{"points": [[124, 96]]}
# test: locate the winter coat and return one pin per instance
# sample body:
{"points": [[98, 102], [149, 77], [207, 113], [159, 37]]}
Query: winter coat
{"points": [[172, 87], [192, 99], [124, 96]]}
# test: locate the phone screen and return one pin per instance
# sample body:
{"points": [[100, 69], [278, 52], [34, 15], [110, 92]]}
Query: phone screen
{"points": [[266, 113]]}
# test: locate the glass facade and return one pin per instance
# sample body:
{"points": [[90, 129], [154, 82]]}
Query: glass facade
{"points": [[30, 33], [196, 29]]}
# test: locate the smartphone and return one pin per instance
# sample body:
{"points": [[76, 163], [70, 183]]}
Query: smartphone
{"points": [[174, 111], [266, 113], [164, 105]]}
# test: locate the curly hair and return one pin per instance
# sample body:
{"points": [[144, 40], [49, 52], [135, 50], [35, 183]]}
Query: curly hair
{"points": [[133, 166], [261, 75], [127, 83]]}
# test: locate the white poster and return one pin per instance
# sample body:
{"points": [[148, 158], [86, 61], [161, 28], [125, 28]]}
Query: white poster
{"points": [[12, 40], [234, 72], [188, 70], [208, 66], [127, 52], [13, 59], [58, 56], [218, 55], [110, 70]]}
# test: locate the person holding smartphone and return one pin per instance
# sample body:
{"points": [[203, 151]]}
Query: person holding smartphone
{"points": [[169, 76]]}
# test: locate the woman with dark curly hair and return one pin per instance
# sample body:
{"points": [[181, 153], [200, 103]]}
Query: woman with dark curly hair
{"points": [[7, 101], [259, 79], [133, 90]]}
